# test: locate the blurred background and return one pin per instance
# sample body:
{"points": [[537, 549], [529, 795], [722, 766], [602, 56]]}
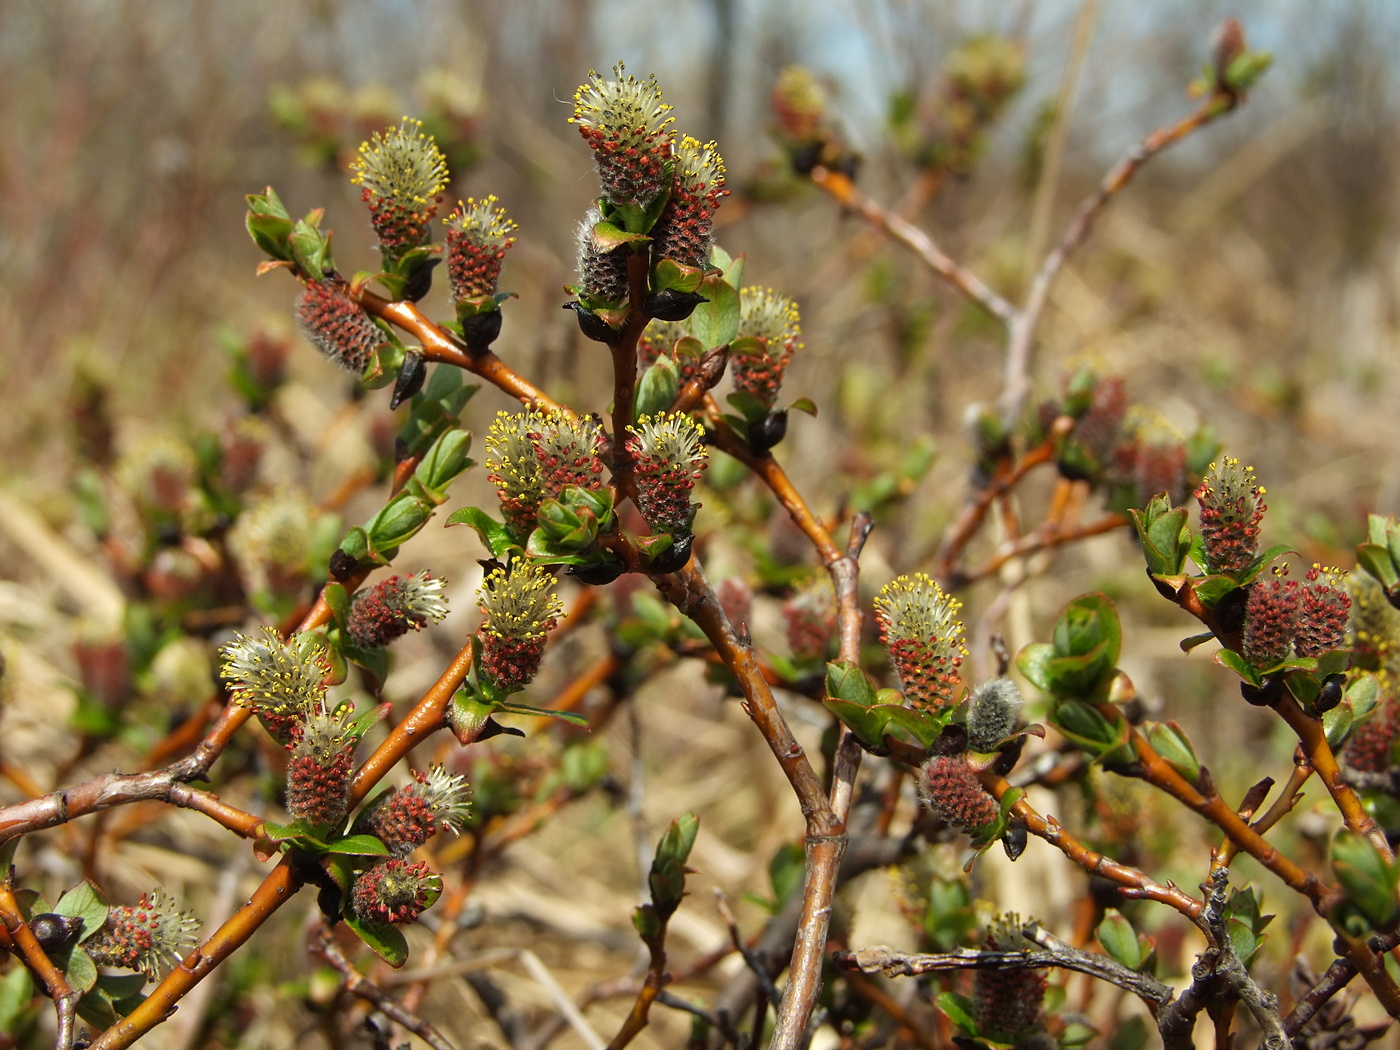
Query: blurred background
{"points": [[1249, 279]]}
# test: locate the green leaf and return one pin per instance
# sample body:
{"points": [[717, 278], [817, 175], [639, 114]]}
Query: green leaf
{"points": [[78, 968], [387, 942], [1244, 925], [375, 661], [494, 535], [1034, 662], [1212, 588], [668, 274], [84, 902], [525, 710], [1164, 535], [399, 520], [1086, 623], [1079, 675], [960, 1011], [339, 601], [846, 681], [358, 846], [356, 544], [657, 389], [716, 322], [804, 404], [1119, 939], [1261, 562], [445, 461], [1368, 880], [1376, 559], [1337, 724], [923, 726], [1170, 741], [867, 723], [310, 249], [1087, 728], [1237, 663]]}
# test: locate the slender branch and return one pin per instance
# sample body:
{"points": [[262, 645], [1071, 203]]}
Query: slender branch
{"points": [[1132, 883], [65, 997], [844, 192], [279, 887], [1016, 374], [1337, 977], [1045, 539], [1281, 807], [1055, 953], [1161, 774], [426, 718], [825, 841], [1313, 739], [441, 346], [321, 942], [120, 789], [624, 362], [773, 475], [963, 528]]}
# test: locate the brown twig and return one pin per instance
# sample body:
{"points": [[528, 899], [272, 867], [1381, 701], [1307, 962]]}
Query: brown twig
{"points": [[1054, 953], [1023, 324], [279, 887], [1045, 539], [844, 192], [65, 997], [963, 528], [1313, 740], [1281, 807], [120, 789], [440, 346], [1132, 883], [321, 942], [691, 593]]}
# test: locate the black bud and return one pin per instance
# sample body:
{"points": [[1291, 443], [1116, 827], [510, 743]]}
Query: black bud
{"points": [[952, 741], [674, 557], [1013, 840], [342, 565], [493, 728], [1264, 694], [806, 157], [480, 330], [420, 282], [671, 305], [410, 380], [592, 326], [1008, 757], [54, 931], [1331, 694], [767, 432], [597, 575]]}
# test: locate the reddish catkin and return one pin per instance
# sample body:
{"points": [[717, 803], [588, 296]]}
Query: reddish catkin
{"points": [[1270, 620], [407, 817], [335, 325], [1232, 507], [477, 239], [394, 892], [1323, 608], [949, 787], [318, 772], [919, 628], [1008, 1000], [1368, 748], [393, 607]]}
